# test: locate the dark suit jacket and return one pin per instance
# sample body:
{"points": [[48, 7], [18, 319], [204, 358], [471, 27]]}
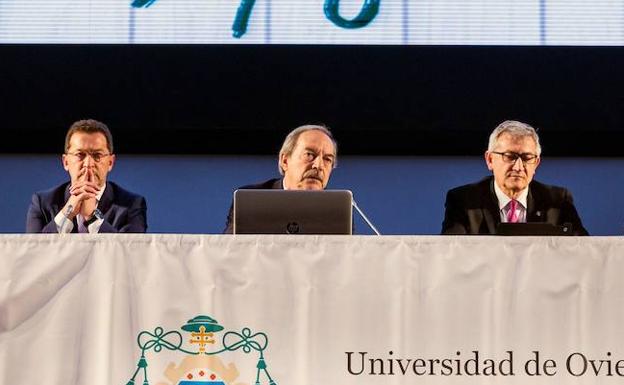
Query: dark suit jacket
{"points": [[473, 208], [271, 184], [124, 211]]}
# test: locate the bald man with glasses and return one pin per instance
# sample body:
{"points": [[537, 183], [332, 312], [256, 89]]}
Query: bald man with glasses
{"points": [[88, 203], [510, 194]]}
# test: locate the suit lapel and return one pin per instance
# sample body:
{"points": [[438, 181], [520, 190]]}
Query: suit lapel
{"points": [[278, 184], [66, 195], [491, 212], [56, 209], [107, 199], [534, 212]]}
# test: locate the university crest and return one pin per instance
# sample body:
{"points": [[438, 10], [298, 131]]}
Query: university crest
{"points": [[202, 364]]}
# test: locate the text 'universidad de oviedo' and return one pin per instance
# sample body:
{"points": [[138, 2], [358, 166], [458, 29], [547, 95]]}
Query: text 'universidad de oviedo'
{"points": [[575, 364]]}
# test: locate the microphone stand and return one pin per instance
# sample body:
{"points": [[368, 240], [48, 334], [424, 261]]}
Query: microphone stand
{"points": [[368, 222]]}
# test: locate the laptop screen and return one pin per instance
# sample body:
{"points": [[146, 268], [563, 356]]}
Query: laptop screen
{"points": [[533, 228], [293, 212]]}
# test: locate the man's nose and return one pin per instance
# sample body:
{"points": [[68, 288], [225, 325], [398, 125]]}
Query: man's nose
{"points": [[518, 164], [318, 162], [88, 161]]}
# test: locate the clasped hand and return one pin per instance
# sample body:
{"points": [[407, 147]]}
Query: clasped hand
{"points": [[83, 195]]}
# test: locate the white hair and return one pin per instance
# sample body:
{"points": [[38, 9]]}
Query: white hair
{"points": [[291, 141], [515, 129]]}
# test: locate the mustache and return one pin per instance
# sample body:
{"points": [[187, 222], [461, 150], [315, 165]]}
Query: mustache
{"points": [[314, 174]]}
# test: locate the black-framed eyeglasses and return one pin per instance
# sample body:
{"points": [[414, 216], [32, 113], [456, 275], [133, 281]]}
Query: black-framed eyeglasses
{"points": [[82, 155], [512, 157]]}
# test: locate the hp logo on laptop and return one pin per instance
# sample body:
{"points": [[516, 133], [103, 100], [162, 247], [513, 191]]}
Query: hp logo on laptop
{"points": [[292, 228]]}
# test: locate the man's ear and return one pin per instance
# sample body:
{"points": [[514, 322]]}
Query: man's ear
{"points": [[111, 162], [488, 160], [65, 162], [284, 162]]}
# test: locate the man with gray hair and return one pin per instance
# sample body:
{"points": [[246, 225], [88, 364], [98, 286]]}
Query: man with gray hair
{"points": [[306, 160], [510, 194]]}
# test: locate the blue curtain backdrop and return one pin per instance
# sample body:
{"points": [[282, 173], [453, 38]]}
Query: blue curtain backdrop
{"points": [[401, 195]]}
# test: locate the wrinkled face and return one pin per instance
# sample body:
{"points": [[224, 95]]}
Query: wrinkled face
{"points": [[512, 176], [88, 151], [311, 162]]}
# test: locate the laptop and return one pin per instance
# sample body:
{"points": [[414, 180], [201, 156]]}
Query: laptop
{"points": [[293, 212], [533, 228]]}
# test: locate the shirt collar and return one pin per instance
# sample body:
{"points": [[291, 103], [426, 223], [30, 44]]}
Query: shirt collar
{"points": [[98, 197], [503, 199]]}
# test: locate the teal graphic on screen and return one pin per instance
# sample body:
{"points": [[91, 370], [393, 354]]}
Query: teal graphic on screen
{"points": [[368, 13], [319, 22]]}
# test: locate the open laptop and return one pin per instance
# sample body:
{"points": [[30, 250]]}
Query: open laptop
{"points": [[533, 228], [292, 212]]}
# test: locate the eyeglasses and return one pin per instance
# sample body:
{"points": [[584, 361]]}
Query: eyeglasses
{"points": [[512, 157], [82, 155]]}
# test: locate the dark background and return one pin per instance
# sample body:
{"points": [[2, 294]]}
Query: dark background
{"points": [[379, 100]]}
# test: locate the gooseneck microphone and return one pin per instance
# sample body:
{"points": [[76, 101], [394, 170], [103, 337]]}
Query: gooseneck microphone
{"points": [[368, 222]]}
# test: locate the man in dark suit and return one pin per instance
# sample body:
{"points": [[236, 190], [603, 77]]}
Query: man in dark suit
{"points": [[511, 194], [306, 160], [87, 203]]}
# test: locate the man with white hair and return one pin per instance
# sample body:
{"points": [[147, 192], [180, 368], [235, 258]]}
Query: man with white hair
{"points": [[510, 194], [306, 160]]}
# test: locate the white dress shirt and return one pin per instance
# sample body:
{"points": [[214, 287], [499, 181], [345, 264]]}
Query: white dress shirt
{"points": [[504, 203]]}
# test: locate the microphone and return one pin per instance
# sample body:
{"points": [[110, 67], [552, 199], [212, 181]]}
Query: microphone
{"points": [[67, 212], [368, 222]]}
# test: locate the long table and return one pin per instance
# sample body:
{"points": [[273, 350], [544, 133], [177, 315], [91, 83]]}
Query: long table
{"points": [[217, 309]]}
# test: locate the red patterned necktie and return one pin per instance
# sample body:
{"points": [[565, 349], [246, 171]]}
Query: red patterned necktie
{"points": [[512, 215]]}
